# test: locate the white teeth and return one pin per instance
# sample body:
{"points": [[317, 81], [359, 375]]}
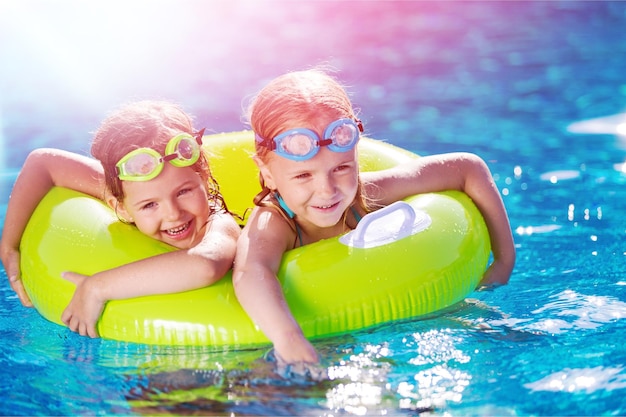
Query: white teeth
{"points": [[177, 230]]}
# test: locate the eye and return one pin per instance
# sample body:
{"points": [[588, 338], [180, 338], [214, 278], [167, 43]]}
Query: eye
{"points": [[184, 191], [302, 176], [344, 168], [148, 206]]}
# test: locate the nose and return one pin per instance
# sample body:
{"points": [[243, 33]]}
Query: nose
{"points": [[171, 210], [326, 185]]}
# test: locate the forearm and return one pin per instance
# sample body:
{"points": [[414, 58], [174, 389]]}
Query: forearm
{"points": [[171, 272], [483, 191], [30, 187], [42, 170], [261, 296]]}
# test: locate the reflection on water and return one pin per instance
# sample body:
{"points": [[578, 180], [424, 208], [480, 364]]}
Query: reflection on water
{"points": [[586, 380], [577, 311], [607, 125], [567, 311]]}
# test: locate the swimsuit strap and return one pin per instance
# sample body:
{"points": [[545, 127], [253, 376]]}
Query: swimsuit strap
{"points": [[299, 235], [291, 215], [283, 206], [356, 214]]}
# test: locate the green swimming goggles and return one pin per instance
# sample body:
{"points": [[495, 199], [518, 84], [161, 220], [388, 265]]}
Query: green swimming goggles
{"points": [[144, 164]]}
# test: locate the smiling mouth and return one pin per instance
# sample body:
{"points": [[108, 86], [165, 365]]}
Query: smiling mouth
{"points": [[176, 231], [327, 207]]}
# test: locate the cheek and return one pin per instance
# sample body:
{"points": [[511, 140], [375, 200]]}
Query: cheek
{"points": [[202, 209], [141, 225], [145, 224], [353, 189], [349, 179]]}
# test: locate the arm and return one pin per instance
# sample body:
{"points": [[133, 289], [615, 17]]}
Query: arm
{"points": [[259, 252], [42, 170], [456, 171], [194, 268]]}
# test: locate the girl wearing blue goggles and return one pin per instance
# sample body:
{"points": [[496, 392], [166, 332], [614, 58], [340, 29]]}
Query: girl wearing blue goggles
{"points": [[302, 144], [326, 197]]}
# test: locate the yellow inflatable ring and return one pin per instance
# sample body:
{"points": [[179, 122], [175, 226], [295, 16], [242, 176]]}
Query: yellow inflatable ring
{"points": [[333, 286]]}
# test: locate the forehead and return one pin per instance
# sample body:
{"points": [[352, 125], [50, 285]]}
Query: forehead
{"points": [[316, 122]]}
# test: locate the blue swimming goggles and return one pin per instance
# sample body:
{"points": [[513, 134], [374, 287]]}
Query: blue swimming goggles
{"points": [[144, 164], [302, 144]]}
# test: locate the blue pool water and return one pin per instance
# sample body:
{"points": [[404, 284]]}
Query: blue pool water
{"points": [[538, 89]]}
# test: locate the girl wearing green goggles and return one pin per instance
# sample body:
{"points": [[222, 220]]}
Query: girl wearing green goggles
{"points": [[177, 203]]}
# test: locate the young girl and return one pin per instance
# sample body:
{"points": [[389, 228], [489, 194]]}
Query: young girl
{"points": [[149, 168], [306, 134]]}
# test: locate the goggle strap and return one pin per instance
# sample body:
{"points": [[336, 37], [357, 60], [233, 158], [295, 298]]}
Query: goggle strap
{"points": [[324, 142], [169, 157], [199, 135], [268, 144], [359, 124]]}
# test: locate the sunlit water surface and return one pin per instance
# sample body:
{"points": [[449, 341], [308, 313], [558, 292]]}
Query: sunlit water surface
{"points": [[538, 89]]}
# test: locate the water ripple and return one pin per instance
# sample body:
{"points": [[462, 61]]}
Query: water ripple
{"points": [[587, 380], [571, 310]]}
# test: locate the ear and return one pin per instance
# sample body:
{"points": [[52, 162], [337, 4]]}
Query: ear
{"points": [[119, 209], [265, 173]]}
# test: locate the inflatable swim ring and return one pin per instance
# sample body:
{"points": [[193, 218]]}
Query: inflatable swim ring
{"points": [[406, 260]]}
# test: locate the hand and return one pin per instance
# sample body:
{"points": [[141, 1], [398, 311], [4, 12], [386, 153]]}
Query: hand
{"points": [[11, 262], [295, 349], [82, 313], [289, 370], [496, 275]]}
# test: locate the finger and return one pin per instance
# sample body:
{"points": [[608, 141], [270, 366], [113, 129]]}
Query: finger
{"points": [[15, 279], [316, 372], [82, 329], [72, 324], [71, 277], [18, 287], [13, 267], [66, 317], [92, 332]]}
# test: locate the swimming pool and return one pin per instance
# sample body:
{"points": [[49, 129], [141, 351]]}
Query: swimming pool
{"points": [[519, 83]]}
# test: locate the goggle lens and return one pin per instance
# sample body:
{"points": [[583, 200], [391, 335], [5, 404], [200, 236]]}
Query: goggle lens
{"points": [[182, 150], [185, 149], [297, 144], [344, 136], [141, 164]]}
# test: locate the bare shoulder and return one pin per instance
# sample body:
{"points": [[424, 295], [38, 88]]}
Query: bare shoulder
{"points": [[266, 224], [264, 239], [220, 238], [223, 222]]}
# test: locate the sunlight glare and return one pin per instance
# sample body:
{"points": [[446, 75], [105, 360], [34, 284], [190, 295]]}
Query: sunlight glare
{"points": [[87, 48]]}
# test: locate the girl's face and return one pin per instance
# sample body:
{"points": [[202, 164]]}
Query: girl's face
{"points": [[318, 190], [172, 208]]}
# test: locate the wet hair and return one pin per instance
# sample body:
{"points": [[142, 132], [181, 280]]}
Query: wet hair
{"points": [[149, 124], [296, 98]]}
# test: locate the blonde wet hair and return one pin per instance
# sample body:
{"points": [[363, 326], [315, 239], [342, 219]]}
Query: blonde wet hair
{"points": [[149, 124]]}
